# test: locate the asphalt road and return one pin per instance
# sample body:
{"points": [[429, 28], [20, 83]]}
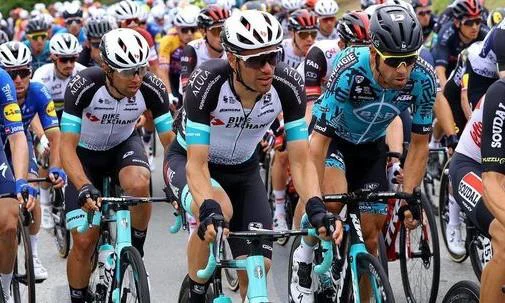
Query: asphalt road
{"points": [[165, 261]]}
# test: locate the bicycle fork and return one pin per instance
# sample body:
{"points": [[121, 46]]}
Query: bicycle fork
{"points": [[123, 226]]}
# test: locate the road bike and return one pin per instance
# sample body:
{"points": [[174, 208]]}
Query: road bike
{"points": [[253, 264], [463, 292]]}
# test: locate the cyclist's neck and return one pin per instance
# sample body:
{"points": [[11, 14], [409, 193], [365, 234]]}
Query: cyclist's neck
{"points": [[112, 90], [58, 74], [247, 97]]}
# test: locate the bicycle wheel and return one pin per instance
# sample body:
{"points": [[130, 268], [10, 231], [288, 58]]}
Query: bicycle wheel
{"points": [[443, 206], [133, 284], [480, 252], [294, 246], [184, 292], [420, 259], [383, 255], [369, 266], [230, 273], [23, 279], [463, 292], [2, 298], [61, 233]]}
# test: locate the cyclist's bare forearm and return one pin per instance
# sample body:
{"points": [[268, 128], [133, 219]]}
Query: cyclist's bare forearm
{"points": [[302, 170], [394, 136], [444, 114], [36, 126], [163, 74], [465, 105], [70, 161], [494, 184], [198, 175], [440, 70], [19, 152], [318, 148], [53, 135], [415, 165]]}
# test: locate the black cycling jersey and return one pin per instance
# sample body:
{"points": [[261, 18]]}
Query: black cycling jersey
{"points": [[493, 129], [85, 57], [449, 46]]}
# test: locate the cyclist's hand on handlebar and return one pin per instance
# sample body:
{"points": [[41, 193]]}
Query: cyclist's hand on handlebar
{"points": [[141, 121], [268, 141], [210, 210], [336, 236], [23, 186], [57, 177], [320, 219], [407, 216], [89, 198]]}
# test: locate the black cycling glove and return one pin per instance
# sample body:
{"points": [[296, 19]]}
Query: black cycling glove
{"points": [[88, 191], [452, 141], [209, 210], [316, 211]]}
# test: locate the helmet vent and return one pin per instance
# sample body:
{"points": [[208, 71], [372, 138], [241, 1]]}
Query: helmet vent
{"points": [[118, 58], [244, 40], [257, 36]]}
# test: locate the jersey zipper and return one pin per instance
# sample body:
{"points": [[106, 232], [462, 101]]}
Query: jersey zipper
{"points": [[112, 124], [242, 127]]}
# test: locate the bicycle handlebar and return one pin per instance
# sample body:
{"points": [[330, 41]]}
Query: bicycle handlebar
{"points": [[370, 196]]}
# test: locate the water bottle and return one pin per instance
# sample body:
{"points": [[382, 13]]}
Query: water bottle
{"points": [[106, 263]]}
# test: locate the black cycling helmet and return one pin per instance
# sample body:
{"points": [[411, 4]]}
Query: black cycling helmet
{"points": [[37, 24], [466, 9], [98, 26], [395, 30], [212, 15], [302, 19], [353, 27], [420, 3]]}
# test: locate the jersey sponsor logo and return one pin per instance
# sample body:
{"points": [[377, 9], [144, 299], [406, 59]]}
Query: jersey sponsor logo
{"points": [[92, 117], [345, 62], [6, 89], [320, 128], [12, 112], [498, 127], [403, 98], [294, 75], [359, 79], [127, 154], [106, 108], [312, 63], [476, 133], [271, 110], [15, 129], [216, 122], [330, 53], [50, 109], [243, 122], [223, 110], [185, 59], [76, 83], [371, 114], [470, 188], [493, 160], [156, 81], [198, 79], [106, 101], [310, 75], [115, 119], [229, 99], [3, 169]]}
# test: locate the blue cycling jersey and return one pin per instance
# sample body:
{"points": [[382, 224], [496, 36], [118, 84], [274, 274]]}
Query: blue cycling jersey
{"points": [[356, 108], [42, 58], [11, 121], [37, 101]]}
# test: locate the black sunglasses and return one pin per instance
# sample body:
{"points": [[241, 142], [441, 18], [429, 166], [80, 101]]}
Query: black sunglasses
{"points": [[186, 30], [257, 62], [424, 13], [472, 22], [22, 73], [72, 20], [95, 44], [304, 35], [67, 59]]}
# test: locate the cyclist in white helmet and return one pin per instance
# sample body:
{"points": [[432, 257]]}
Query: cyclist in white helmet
{"points": [[156, 27], [327, 10], [102, 106], [288, 7], [73, 16]]}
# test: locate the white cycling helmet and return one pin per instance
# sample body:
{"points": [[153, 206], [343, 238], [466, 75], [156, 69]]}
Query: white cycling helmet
{"points": [[187, 16], [14, 54], [227, 4], [158, 12], [64, 44], [326, 8], [98, 26], [39, 6], [251, 29], [143, 14], [126, 10], [124, 48], [291, 5]]}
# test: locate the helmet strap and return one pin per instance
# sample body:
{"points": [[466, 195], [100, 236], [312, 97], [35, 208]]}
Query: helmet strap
{"points": [[239, 79]]}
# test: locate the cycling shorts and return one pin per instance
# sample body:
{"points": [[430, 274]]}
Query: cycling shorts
{"points": [[452, 92], [364, 166], [477, 85], [33, 167], [99, 164], [7, 180], [465, 175], [243, 185]]}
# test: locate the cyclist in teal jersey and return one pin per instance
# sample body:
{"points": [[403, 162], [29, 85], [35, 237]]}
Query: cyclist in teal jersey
{"points": [[368, 88], [37, 40]]}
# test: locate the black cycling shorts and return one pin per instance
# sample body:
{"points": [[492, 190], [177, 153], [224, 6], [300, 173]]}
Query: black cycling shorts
{"points": [[99, 164], [452, 92], [243, 185], [477, 85], [364, 166], [465, 175]]}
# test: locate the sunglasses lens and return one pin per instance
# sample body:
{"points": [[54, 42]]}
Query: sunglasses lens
{"points": [[216, 31], [259, 61], [397, 61], [67, 59], [305, 35], [472, 22], [73, 20], [130, 73], [37, 36], [22, 73], [186, 30], [95, 44]]}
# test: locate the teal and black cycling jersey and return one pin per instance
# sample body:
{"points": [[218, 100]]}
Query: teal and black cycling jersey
{"points": [[356, 108]]}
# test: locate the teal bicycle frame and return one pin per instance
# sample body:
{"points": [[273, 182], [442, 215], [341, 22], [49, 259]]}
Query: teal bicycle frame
{"points": [[254, 263]]}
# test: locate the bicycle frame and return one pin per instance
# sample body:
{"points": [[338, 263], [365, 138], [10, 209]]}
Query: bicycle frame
{"points": [[391, 230]]}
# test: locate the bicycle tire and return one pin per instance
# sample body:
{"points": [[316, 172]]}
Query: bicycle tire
{"points": [[2, 298], [230, 274], [443, 213], [370, 266], [428, 262], [20, 293], [294, 245], [383, 255], [61, 233], [463, 292], [130, 257], [184, 292], [475, 251]]}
